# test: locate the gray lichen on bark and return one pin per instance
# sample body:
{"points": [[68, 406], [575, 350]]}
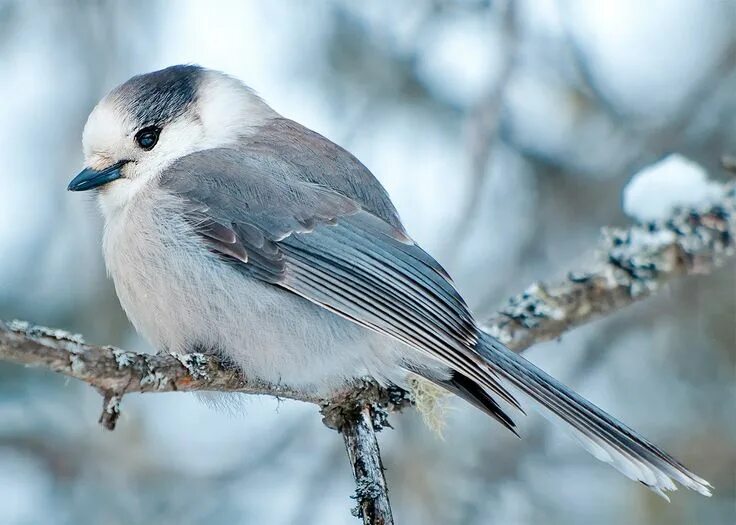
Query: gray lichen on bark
{"points": [[631, 264]]}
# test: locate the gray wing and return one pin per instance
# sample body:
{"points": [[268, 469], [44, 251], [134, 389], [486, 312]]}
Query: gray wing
{"points": [[323, 162], [325, 247]]}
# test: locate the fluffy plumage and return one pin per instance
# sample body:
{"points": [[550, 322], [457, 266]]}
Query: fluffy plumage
{"points": [[247, 234]]}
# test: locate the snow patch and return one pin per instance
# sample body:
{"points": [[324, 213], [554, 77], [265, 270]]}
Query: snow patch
{"points": [[673, 182]]}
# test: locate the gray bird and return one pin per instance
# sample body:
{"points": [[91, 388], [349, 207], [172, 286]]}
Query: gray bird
{"points": [[233, 230]]}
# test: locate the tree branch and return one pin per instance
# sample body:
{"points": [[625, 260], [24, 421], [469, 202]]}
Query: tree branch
{"points": [[371, 490], [632, 264]]}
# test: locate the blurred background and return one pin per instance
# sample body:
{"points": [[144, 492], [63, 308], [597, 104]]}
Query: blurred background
{"points": [[505, 133]]}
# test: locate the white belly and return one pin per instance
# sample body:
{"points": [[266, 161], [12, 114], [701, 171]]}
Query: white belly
{"points": [[183, 298]]}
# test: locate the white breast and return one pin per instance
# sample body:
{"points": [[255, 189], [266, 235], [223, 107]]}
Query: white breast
{"points": [[181, 297]]}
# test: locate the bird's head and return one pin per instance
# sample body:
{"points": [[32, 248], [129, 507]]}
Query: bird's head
{"points": [[144, 125]]}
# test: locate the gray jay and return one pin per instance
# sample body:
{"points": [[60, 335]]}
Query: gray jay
{"points": [[231, 229]]}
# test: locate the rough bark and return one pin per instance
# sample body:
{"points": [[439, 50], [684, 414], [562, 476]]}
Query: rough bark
{"points": [[371, 492]]}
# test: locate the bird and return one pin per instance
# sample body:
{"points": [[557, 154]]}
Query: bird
{"points": [[233, 230]]}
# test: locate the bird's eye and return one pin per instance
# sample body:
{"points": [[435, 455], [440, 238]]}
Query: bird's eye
{"points": [[147, 137]]}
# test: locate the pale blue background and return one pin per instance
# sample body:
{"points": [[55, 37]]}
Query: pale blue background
{"points": [[578, 95]]}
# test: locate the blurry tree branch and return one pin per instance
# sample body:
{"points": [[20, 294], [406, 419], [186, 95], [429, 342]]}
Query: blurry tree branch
{"points": [[632, 264]]}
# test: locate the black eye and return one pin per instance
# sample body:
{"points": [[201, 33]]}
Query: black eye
{"points": [[147, 137]]}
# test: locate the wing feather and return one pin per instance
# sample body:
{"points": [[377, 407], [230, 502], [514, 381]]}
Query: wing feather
{"points": [[323, 246]]}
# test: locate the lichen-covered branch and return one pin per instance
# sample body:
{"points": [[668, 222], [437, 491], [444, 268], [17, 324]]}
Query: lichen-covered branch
{"points": [[631, 264], [371, 491], [116, 372], [121, 372]]}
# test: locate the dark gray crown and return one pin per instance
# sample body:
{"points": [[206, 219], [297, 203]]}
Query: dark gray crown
{"points": [[161, 96]]}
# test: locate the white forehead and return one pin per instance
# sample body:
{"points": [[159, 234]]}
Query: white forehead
{"points": [[106, 127], [223, 111]]}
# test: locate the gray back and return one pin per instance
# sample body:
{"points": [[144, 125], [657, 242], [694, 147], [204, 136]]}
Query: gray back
{"points": [[321, 161]]}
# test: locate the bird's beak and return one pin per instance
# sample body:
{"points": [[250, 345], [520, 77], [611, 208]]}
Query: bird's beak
{"points": [[90, 178]]}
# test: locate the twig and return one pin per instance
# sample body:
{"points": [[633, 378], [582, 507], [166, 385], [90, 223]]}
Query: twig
{"points": [[112, 370], [371, 492], [358, 421]]}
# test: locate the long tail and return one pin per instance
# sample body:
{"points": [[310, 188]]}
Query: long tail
{"points": [[602, 435]]}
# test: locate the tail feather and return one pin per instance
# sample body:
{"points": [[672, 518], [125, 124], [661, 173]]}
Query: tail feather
{"points": [[602, 435], [467, 389]]}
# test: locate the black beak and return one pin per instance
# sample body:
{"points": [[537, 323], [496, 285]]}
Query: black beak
{"points": [[90, 178]]}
